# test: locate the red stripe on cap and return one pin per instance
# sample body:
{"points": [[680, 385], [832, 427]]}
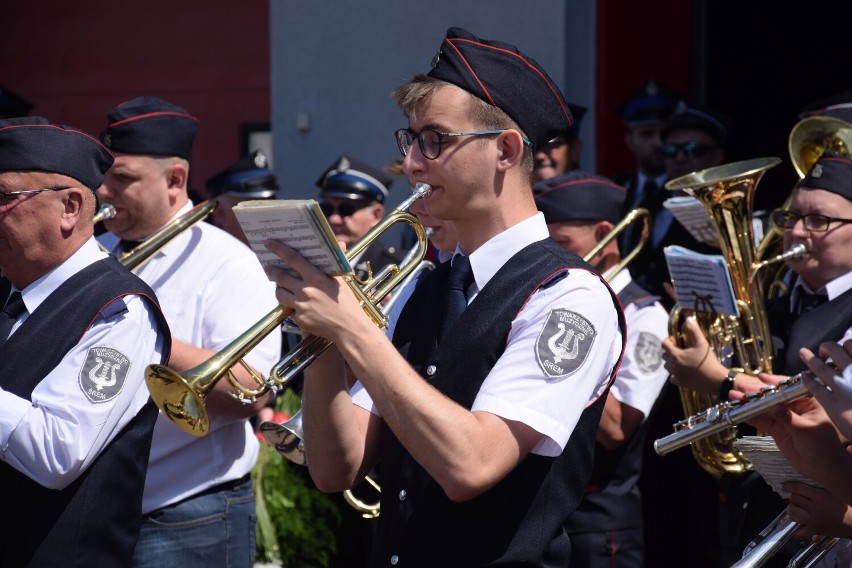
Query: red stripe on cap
{"points": [[153, 115], [472, 72], [60, 129], [525, 62], [565, 184], [842, 159]]}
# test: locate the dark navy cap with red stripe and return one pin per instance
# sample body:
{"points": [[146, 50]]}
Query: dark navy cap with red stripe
{"points": [[150, 126], [499, 74], [33, 144], [830, 172], [579, 196]]}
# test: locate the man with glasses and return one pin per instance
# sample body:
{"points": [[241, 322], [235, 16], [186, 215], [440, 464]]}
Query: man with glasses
{"points": [[352, 197], [483, 406], [76, 333], [818, 307], [693, 139], [561, 154]]}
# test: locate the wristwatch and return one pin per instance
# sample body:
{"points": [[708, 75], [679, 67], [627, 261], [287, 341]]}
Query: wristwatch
{"points": [[727, 385]]}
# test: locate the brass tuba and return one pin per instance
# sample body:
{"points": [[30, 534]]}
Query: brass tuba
{"points": [[727, 193]]}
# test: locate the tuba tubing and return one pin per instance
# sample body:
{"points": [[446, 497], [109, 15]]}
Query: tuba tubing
{"points": [[181, 396]]}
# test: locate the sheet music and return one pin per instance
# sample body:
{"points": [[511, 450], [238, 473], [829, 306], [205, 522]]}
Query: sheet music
{"points": [[690, 213], [703, 278], [770, 463], [299, 224]]}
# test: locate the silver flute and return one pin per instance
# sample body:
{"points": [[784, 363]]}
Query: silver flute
{"points": [[730, 413]]}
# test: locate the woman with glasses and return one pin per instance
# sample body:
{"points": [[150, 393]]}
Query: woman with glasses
{"points": [[818, 307]]}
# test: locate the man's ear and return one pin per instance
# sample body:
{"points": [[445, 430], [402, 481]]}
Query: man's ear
{"points": [[73, 207], [378, 212], [177, 175], [511, 145]]}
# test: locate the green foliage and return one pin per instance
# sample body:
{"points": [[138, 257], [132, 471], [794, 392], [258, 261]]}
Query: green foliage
{"points": [[297, 525]]}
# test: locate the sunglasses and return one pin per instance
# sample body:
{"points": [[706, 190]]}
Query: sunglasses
{"points": [[344, 209], [690, 149]]}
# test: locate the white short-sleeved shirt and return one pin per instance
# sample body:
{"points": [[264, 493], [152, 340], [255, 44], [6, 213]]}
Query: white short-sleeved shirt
{"points": [[517, 387], [212, 288], [641, 376], [55, 437]]}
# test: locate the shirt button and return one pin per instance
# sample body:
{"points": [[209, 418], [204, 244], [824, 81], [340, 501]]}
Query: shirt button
{"points": [[430, 370], [402, 495], [394, 560]]}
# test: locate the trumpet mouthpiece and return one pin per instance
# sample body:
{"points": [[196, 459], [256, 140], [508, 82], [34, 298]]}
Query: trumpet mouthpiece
{"points": [[422, 189], [795, 251]]}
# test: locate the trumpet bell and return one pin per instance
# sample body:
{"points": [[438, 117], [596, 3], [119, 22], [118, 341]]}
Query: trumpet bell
{"points": [[176, 397], [286, 438]]}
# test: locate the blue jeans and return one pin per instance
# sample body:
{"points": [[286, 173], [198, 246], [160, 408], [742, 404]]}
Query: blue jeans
{"points": [[210, 530]]}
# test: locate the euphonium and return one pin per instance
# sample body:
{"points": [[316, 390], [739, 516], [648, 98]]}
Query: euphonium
{"points": [[181, 396], [727, 193]]}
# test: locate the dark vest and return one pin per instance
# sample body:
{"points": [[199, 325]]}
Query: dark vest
{"points": [[95, 520], [790, 333], [612, 500], [519, 521]]}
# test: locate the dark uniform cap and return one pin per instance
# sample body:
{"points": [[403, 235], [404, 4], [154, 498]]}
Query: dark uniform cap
{"points": [[831, 172], [502, 76], [652, 104], [689, 117], [34, 144], [150, 126], [247, 177], [350, 178], [12, 105], [579, 195]]}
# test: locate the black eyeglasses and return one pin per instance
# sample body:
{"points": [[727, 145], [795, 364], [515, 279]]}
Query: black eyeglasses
{"points": [[344, 209], [690, 149], [813, 222], [430, 140]]}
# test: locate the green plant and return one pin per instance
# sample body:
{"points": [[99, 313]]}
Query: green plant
{"points": [[297, 525]]}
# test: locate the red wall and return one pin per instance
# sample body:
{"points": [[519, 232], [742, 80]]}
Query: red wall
{"points": [[637, 41], [77, 60]]}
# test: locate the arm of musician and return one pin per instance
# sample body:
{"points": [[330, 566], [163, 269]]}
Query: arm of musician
{"points": [[808, 439], [696, 366], [340, 437], [833, 390], [821, 512], [618, 423], [465, 452], [185, 356]]}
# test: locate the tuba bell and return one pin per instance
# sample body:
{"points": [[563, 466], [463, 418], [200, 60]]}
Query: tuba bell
{"points": [[727, 192]]}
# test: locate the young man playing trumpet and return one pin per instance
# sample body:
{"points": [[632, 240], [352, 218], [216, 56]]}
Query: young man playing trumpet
{"points": [[484, 424]]}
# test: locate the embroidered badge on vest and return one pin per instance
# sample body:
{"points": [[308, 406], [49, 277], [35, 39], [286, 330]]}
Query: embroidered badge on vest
{"points": [[648, 352], [564, 343], [103, 373]]}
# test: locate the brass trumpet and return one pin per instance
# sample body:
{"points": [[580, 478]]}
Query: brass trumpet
{"points": [[634, 216], [286, 437], [134, 258], [181, 396]]}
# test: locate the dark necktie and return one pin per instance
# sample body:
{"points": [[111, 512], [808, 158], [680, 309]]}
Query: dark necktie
{"points": [[127, 246], [460, 278], [647, 193], [14, 308], [807, 301]]}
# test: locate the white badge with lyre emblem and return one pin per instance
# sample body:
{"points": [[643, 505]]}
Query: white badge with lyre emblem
{"points": [[103, 374], [564, 343], [648, 352]]}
